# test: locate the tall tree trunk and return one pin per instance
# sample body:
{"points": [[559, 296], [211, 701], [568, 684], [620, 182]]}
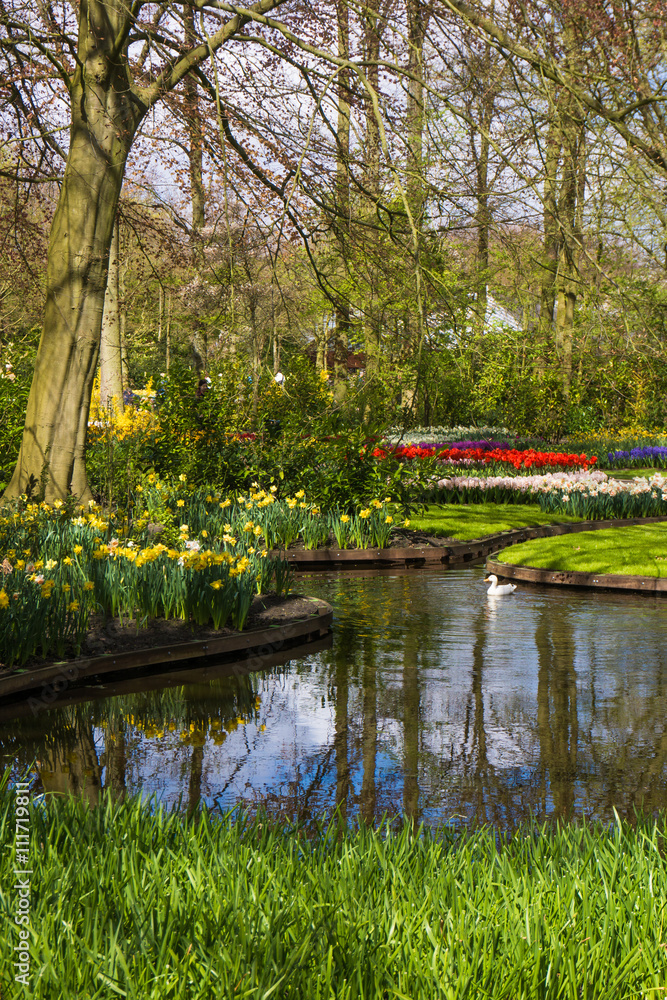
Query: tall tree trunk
{"points": [[111, 369], [551, 244], [372, 324], [194, 127], [570, 213], [275, 334], [342, 207], [483, 220], [105, 116], [417, 22]]}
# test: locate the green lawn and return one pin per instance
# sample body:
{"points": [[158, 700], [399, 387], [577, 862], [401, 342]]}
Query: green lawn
{"points": [[640, 550], [631, 473], [464, 521], [127, 902]]}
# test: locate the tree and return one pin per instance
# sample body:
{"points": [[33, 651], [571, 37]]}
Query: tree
{"points": [[110, 86]]}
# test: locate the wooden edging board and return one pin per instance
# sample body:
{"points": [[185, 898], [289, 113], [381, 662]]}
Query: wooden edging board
{"points": [[31, 703], [451, 554], [231, 647], [574, 578]]}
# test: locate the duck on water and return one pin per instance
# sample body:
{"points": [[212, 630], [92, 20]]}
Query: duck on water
{"points": [[496, 589]]}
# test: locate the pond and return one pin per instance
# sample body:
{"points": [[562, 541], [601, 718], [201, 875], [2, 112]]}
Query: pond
{"points": [[432, 700]]}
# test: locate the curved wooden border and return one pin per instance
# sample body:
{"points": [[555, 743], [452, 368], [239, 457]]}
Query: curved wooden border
{"points": [[574, 578], [451, 554], [20, 707], [241, 647]]}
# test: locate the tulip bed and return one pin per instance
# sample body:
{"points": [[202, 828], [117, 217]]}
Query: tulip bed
{"points": [[201, 908], [487, 453]]}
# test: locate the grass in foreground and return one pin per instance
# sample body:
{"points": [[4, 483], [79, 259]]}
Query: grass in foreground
{"points": [[464, 521], [639, 550], [149, 906]]}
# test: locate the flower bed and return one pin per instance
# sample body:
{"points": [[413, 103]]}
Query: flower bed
{"points": [[652, 456], [488, 453], [258, 514], [443, 435], [590, 495], [180, 553], [60, 566]]}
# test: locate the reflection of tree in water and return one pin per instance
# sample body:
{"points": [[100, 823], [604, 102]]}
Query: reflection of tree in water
{"points": [[87, 748], [369, 730], [70, 763], [557, 721], [420, 722], [474, 752], [628, 771], [343, 655], [411, 727]]}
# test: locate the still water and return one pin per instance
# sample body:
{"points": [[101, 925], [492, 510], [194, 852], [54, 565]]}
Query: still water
{"points": [[432, 700]]}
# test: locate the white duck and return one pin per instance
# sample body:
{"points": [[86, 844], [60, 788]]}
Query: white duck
{"points": [[495, 590]]}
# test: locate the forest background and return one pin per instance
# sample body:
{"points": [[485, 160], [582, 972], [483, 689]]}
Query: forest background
{"points": [[421, 213]]}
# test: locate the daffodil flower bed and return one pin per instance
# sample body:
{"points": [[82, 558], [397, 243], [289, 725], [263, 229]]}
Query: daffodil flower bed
{"points": [[59, 565], [259, 516]]}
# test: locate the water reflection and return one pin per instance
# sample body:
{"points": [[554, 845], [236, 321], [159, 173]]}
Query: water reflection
{"points": [[433, 701]]}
